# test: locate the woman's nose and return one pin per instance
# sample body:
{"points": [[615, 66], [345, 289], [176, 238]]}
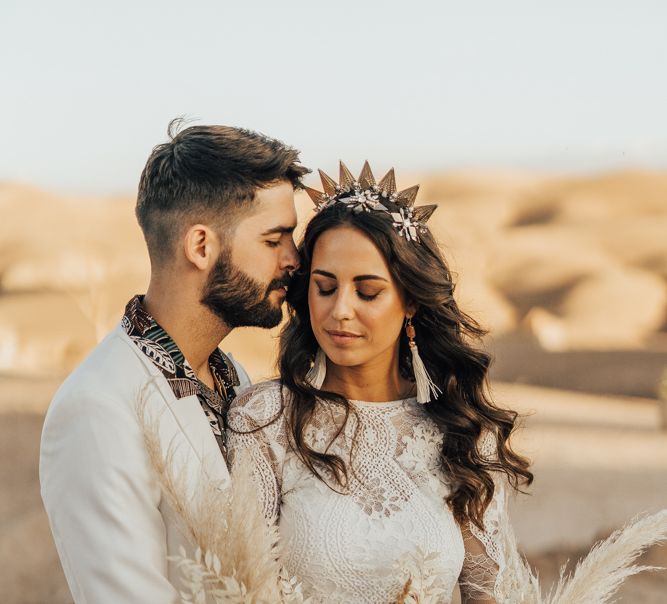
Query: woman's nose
{"points": [[343, 308]]}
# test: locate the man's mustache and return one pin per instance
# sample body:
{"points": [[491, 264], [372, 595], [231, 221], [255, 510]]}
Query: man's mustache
{"points": [[278, 283]]}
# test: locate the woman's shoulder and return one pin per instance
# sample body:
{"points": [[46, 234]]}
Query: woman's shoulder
{"points": [[256, 407]]}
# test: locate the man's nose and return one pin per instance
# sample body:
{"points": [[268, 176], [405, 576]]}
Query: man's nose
{"points": [[290, 260]]}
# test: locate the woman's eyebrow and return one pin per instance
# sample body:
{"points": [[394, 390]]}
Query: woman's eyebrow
{"points": [[369, 278], [317, 271], [329, 275]]}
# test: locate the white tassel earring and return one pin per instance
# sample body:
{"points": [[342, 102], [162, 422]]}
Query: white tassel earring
{"points": [[317, 373], [426, 387]]}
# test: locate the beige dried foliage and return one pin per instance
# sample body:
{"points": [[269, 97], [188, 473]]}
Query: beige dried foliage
{"points": [[424, 585], [236, 558], [596, 578]]}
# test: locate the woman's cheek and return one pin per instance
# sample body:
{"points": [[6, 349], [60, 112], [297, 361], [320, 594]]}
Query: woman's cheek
{"points": [[318, 311]]}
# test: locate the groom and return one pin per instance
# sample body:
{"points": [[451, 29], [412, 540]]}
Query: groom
{"points": [[216, 206]]}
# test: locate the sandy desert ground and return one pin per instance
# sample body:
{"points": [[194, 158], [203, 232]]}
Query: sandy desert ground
{"points": [[570, 275]]}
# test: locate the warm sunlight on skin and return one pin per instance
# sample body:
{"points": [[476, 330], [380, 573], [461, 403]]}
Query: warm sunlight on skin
{"points": [[357, 313], [263, 245]]}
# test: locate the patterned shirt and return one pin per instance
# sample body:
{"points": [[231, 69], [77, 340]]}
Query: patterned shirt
{"points": [[161, 349]]}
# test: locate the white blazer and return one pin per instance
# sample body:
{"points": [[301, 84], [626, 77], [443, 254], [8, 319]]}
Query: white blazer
{"points": [[112, 527]]}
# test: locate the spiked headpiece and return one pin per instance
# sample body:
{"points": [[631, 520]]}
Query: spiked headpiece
{"points": [[365, 195]]}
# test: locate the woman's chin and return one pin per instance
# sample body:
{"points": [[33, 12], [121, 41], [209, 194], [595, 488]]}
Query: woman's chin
{"points": [[345, 358]]}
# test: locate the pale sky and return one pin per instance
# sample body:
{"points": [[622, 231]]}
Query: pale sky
{"points": [[88, 88]]}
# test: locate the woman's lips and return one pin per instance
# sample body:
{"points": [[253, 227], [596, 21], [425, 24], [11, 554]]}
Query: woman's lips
{"points": [[342, 338]]}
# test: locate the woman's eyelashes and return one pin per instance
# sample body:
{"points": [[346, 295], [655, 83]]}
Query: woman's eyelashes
{"points": [[325, 292], [367, 297], [364, 295]]}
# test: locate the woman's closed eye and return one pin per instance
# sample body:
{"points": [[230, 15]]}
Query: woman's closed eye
{"points": [[368, 296], [363, 294], [322, 291]]}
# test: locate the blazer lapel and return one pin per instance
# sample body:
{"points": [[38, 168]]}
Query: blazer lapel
{"points": [[189, 417]]}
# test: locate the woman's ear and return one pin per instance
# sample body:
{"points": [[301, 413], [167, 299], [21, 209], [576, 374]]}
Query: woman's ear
{"points": [[410, 310]]}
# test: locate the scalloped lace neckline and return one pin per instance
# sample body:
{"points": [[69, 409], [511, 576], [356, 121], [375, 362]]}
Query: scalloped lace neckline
{"points": [[382, 404]]}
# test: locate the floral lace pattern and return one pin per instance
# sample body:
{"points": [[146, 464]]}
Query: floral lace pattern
{"points": [[353, 544]]}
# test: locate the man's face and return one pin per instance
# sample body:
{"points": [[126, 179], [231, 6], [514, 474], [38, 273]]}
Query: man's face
{"points": [[248, 283]]}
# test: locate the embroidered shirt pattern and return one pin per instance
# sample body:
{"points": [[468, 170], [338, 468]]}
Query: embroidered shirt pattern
{"points": [[165, 354]]}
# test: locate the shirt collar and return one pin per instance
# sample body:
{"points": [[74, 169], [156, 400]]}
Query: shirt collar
{"points": [[165, 354]]}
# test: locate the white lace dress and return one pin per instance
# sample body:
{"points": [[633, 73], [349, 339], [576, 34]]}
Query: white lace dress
{"points": [[357, 546]]}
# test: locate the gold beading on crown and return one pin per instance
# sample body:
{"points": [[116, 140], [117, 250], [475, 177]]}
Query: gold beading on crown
{"points": [[365, 195]]}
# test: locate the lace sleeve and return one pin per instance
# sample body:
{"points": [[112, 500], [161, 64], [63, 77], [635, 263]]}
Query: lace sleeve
{"points": [[256, 434], [482, 579]]}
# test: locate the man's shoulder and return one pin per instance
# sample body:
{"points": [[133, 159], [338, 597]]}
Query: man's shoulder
{"points": [[257, 406], [108, 373]]}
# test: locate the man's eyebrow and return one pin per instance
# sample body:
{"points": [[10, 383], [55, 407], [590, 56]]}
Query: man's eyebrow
{"points": [[279, 229], [318, 271]]}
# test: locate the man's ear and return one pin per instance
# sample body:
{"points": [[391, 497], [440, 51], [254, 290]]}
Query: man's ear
{"points": [[200, 246]]}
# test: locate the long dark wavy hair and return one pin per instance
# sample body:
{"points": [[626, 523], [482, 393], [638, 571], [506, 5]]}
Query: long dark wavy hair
{"points": [[464, 410]]}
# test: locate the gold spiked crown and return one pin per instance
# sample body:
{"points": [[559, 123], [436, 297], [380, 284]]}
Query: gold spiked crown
{"points": [[363, 194]]}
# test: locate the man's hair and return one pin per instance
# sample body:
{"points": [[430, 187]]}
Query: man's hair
{"points": [[207, 174]]}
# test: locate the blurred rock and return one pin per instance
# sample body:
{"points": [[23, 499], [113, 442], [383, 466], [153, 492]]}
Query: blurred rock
{"points": [[614, 194], [42, 334], [616, 308], [532, 265], [74, 245], [65, 270], [639, 241]]}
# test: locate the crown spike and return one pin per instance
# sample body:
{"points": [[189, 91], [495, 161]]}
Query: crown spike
{"points": [[407, 197], [346, 179], [388, 183], [328, 183], [366, 178], [315, 195], [423, 213]]}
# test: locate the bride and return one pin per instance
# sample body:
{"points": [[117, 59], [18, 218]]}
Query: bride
{"points": [[378, 450]]}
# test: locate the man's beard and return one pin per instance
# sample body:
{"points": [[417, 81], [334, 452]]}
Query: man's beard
{"points": [[238, 299]]}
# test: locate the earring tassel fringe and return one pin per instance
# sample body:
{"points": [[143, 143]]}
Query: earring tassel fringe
{"points": [[426, 387], [318, 371]]}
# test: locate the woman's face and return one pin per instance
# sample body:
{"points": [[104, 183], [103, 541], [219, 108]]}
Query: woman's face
{"points": [[356, 308]]}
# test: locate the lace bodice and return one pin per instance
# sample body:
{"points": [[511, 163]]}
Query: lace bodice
{"points": [[356, 545]]}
